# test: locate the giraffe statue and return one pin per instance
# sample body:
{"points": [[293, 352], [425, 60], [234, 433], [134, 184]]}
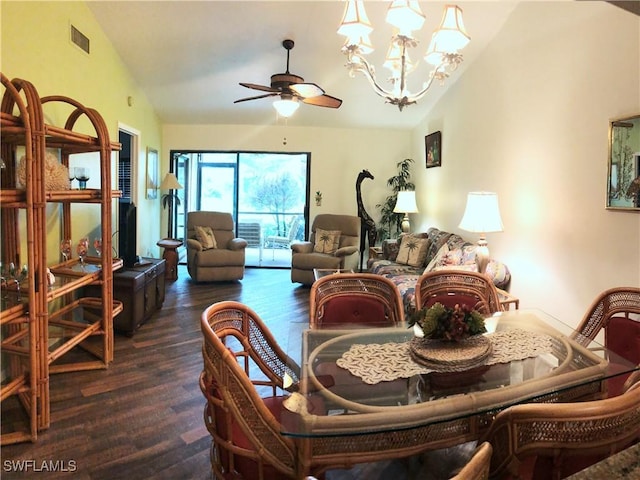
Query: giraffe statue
{"points": [[366, 222]]}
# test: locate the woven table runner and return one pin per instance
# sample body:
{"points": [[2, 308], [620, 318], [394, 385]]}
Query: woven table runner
{"points": [[375, 362]]}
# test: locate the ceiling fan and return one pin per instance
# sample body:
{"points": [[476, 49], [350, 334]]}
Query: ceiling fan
{"points": [[292, 88]]}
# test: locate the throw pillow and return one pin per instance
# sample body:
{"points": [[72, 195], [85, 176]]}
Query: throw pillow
{"points": [[444, 250], [327, 241], [206, 237], [413, 251]]}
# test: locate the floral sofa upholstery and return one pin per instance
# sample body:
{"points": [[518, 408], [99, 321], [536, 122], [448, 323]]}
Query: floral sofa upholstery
{"points": [[442, 250]]}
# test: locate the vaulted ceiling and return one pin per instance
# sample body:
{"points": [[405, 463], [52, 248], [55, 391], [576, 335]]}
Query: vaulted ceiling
{"points": [[189, 57]]}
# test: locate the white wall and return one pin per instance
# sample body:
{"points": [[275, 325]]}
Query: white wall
{"points": [[337, 156], [529, 119]]}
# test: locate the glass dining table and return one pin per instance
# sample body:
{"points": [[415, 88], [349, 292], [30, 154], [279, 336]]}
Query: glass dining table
{"points": [[362, 393]]}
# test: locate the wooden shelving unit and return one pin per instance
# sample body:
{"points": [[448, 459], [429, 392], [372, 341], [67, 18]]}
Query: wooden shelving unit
{"points": [[43, 324]]}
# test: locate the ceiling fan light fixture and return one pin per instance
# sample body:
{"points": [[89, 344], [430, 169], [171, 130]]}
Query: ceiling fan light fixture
{"points": [[286, 106]]}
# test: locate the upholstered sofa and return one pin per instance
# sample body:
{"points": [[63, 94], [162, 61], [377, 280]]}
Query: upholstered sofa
{"points": [[431, 250], [218, 258]]}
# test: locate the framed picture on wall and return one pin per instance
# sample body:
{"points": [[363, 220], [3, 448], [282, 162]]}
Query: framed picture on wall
{"points": [[623, 183], [433, 149], [152, 174]]}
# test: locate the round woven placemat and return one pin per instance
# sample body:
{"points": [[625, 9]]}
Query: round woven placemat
{"points": [[447, 356]]}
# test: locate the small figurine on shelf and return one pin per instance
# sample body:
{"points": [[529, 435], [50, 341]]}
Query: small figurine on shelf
{"points": [[318, 198], [82, 249], [65, 249], [97, 246], [51, 279]]}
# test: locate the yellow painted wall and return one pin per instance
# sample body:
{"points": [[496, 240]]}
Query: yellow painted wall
{"points": [[529, 120], [36, 46]]}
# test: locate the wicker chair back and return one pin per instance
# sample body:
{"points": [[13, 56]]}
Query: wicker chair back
{"points": [[561, 433], [458, 286], [355, 299]]}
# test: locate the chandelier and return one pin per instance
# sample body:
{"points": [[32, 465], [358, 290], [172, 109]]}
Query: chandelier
{"points": [[405, 16]]}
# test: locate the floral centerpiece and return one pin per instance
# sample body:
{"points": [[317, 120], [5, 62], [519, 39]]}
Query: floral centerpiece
{"points": [[445, 323]]}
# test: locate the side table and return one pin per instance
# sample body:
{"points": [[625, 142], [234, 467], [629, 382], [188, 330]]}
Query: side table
{"points": [[170, 254]]}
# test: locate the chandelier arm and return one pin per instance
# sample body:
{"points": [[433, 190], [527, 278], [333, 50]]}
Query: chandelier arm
{"points": [[363, 66], [414, 98], [451, 61]]}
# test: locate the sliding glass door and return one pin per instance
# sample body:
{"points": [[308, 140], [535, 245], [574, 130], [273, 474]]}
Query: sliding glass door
{"points": [[266, 193]]}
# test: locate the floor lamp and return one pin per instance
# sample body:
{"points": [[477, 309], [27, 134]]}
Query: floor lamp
{"points": [[482, 215], [170, 182]]}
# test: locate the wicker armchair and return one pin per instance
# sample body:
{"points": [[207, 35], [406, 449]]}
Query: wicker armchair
{"points": [[566, 437], [617, 311], [241, 356], [451, 287], [478, 467], [348, 299]]}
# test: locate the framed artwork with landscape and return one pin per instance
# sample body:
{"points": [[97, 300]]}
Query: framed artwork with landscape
{"points": [[623, 182], [433, 149]]}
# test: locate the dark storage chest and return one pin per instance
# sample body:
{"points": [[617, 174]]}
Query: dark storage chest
{"points": [[141, 291]]}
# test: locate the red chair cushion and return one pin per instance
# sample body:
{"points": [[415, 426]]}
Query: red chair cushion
{"points": [[622, 336], [354, 310], [451, 300], [245, 466]]}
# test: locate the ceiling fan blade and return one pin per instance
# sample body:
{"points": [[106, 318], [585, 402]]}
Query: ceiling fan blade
{"points": [[323, 101], [307, 90], [259, 96], [264, 88]]}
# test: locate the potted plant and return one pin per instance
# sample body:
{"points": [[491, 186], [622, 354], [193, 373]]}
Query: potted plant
{"points": [[391, 222]]}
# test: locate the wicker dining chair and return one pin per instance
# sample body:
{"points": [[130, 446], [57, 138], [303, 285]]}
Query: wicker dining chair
{"points": [[477, 468], [451, 287], [565, 437], [242, 360], [617, 312], [354, 299]]}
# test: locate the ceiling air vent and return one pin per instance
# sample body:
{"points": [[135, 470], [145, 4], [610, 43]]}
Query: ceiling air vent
{"points": [[79, 39]]}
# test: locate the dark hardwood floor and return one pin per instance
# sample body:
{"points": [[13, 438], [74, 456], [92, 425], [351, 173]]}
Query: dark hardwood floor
{"points": [[142, 417]]}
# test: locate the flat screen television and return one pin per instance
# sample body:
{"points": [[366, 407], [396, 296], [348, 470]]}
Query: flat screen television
{"points": [[127, 232]]}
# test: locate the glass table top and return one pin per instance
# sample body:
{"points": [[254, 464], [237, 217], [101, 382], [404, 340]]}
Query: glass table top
{"points": [[369, 374]]}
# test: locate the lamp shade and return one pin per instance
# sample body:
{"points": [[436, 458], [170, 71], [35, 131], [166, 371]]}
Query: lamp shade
{"points": [[406, 202], [355, 22], [405, 15], [451, 35], [170, 182], [482, 213]]}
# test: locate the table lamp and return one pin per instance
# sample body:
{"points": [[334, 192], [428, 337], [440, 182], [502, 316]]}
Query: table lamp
{"points": [[170, 182], [406, 203], [482, 215]]}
